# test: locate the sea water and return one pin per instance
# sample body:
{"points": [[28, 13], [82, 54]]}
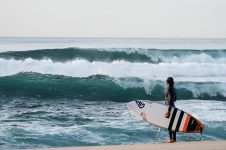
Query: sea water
{"points": [[61, 92]]}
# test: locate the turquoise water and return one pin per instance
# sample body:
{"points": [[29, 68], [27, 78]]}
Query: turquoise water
{"points": [[57, 92]]}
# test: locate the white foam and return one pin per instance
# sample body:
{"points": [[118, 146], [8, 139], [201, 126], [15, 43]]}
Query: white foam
{"points": [[194, 58], [205, 110], [195, 72]]}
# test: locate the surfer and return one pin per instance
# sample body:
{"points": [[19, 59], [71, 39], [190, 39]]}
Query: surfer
{"points": [[170, 98]]}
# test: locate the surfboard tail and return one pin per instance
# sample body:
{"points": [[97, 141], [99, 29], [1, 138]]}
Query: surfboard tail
{"points": [[193, 125]]}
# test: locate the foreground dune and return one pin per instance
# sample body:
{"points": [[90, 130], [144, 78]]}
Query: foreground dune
{"points": [[203, 145]]}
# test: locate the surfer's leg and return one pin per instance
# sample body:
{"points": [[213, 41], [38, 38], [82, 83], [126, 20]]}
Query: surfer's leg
{"points": [[171, 137], [174, 136], [170, 134]]}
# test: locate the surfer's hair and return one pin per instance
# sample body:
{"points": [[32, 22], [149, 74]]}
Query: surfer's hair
{"points": [[170, 81]]}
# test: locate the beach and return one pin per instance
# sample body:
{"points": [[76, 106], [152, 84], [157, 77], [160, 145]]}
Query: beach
{"points": [[204, 145]]}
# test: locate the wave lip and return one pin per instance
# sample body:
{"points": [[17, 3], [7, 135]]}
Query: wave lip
{"points": [[102, 88]]}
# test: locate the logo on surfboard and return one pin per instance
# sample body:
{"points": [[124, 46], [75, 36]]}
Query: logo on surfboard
{"points": [[140, 104]]}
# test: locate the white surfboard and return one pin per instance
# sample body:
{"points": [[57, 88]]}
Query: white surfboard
{"points": [[154, 113]]}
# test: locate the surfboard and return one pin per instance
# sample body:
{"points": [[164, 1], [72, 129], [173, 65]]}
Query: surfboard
{"points": [[154, 113]]}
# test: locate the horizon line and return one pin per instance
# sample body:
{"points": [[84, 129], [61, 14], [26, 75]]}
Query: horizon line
{"points": [[100, 37]]}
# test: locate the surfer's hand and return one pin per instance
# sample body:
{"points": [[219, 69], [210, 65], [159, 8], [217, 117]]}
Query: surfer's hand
{"points": [[167, 115]]}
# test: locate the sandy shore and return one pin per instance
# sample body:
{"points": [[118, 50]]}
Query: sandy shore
{"points": [[204, 145]]}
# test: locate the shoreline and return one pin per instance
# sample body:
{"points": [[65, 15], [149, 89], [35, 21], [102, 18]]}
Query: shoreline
{"points": [[200, 145]]}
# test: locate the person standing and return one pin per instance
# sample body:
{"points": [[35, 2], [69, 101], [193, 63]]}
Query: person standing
{"points": [[170, 99]]}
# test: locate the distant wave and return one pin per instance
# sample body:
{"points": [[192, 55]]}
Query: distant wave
{"points": [[121, 54], [103, 88], [68, 54]]}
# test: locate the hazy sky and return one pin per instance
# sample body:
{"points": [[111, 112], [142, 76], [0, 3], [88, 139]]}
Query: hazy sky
{"points": [[113, 18]]}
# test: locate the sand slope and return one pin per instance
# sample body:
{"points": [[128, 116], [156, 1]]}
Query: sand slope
{"points": [[204, 145]]}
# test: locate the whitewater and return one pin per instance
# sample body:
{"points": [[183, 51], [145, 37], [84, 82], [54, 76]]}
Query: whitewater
{"points": [[57, 92]]}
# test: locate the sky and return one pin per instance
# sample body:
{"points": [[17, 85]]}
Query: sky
{"points": [[113, 18]]}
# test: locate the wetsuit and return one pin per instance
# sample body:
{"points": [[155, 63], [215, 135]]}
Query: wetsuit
{"points": [[169, 100]]}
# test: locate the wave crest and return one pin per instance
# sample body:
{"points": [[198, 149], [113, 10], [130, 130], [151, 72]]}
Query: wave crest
{"points": [[119, 54], [100, 87]]}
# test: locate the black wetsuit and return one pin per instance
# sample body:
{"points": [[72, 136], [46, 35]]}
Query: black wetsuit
{"points": [[169, 100]]}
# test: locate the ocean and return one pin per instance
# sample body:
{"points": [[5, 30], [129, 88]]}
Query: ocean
{"points": [[61, 92]]}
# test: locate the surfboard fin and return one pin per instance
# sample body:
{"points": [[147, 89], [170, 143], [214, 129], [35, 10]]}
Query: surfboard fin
{"points": [[201, 130]]}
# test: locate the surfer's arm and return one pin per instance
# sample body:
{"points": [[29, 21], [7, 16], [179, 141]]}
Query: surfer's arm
{"points": [[170, 103], [167, 115], [169, 109]]}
